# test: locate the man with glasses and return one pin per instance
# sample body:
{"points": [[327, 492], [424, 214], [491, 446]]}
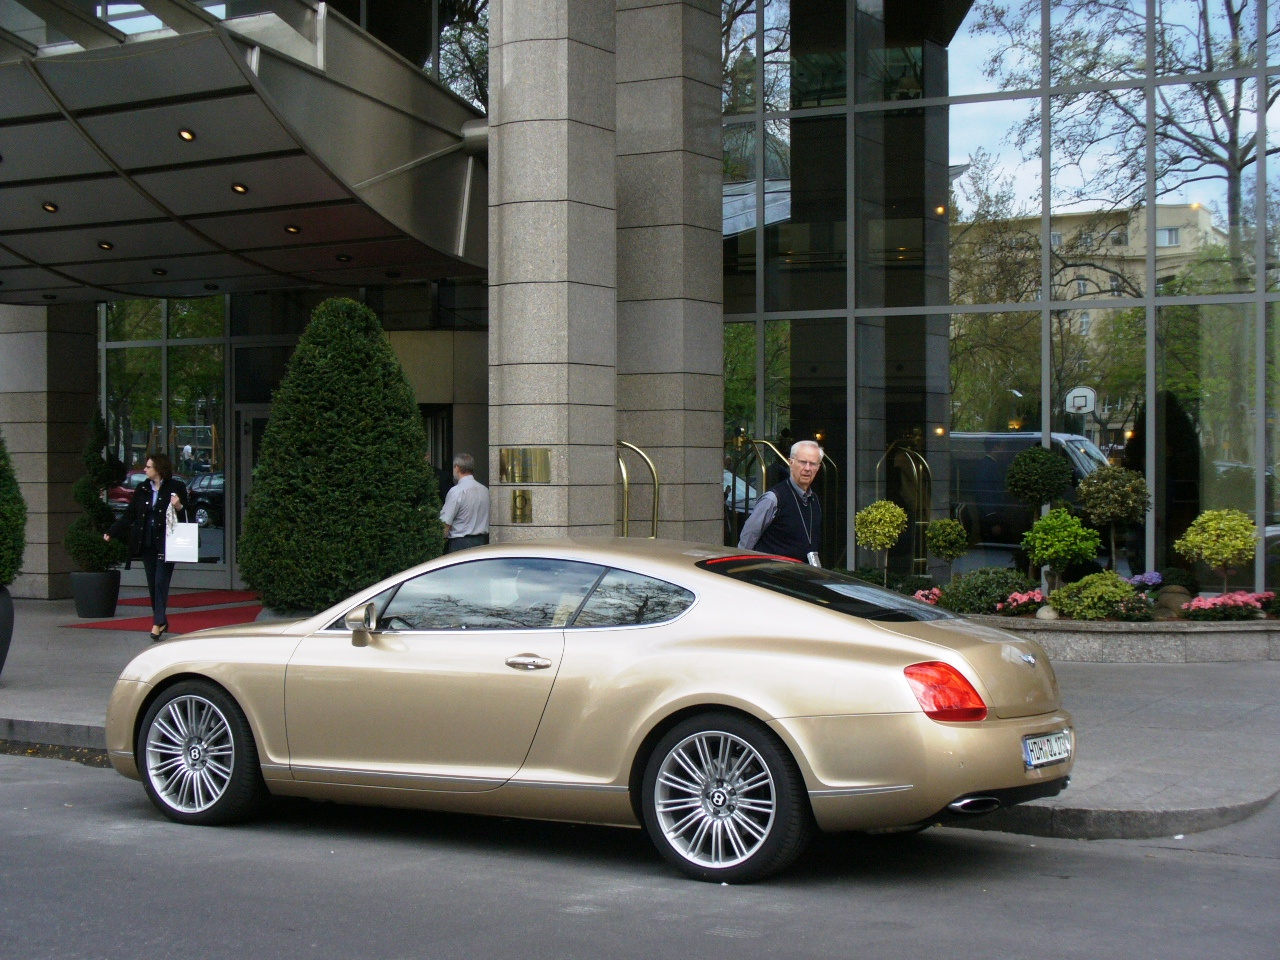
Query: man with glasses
{"points": [[787, 519]]}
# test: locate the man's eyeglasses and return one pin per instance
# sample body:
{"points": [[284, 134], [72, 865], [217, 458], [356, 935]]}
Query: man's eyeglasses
{"points": [[805, 463]]}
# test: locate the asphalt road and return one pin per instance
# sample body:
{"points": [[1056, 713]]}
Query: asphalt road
{"points": [[88, 869]]}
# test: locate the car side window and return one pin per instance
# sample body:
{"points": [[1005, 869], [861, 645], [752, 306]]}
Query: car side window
{"points": [[626, 599], [506, 594]]}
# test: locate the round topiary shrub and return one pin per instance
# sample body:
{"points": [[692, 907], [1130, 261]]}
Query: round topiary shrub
{"points": [[947, 539], [1058, 539], [1096, 597], [878, 526], [13, 519], [88, 551], [1114, 497], [342, 493], [981, 590], [1221, 539], [1038, 476]]}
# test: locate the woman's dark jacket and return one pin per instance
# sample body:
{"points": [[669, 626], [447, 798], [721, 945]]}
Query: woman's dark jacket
{"points": [[144, 536]]}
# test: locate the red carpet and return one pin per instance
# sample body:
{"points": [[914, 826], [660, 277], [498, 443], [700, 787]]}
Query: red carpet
{"points": [[205, 598], [180, 622]]}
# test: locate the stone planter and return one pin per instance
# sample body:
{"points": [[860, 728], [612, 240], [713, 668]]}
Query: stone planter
{"points": [[1167, 641], [96, 594], [6, 624]]}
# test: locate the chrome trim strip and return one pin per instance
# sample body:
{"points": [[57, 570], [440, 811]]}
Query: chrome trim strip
{"points": [[559, 785], [859, 791], [380, 777]]}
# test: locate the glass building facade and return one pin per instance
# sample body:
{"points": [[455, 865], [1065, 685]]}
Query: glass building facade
{"points": [[952, 231]]}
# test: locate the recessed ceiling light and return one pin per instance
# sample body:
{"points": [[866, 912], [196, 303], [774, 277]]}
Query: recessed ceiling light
{"points": [[211, 286], [49, 207], [239, 188], [105, 245], [292, 228], [343, 258], [392, 274], [160, 272], [187, 135], [51, 296]]}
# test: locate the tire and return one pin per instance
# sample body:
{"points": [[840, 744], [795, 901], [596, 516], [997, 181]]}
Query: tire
{"points": [[723, 800], [197, 756], [203, 517]]}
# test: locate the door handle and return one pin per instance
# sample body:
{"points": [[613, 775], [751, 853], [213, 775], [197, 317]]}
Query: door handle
{"points": [[528, 661]]}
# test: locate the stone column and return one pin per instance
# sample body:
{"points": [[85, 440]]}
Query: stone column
{"points": [[48, 387], [670, 335], [552, 268]]}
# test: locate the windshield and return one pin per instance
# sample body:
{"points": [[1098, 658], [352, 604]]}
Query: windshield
{"points": [[826, 588], [1087, 454]]}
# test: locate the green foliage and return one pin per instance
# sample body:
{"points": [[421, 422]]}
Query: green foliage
{"points": [[879, 525], [978, 591], [1114, 497], [342, 493], [1222, 539], [84, 543], [872, 575], [910, 584], [13, 520], [1058, 540], [1096, 597], [947, 539], [1177, 577], [1038, 476], [1136, 609]]}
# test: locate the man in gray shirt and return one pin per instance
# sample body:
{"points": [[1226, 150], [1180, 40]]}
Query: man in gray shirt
{"points": [[466, 508]]}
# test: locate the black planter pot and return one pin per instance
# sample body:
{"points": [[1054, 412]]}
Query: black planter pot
{"points": [[96, 594], [6, 623]]}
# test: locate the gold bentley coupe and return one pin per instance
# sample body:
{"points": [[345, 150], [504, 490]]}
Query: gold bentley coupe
{"points": [[730, 703]]}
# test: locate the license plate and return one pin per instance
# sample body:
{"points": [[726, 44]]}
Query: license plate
{"points": [[1046, 749]]}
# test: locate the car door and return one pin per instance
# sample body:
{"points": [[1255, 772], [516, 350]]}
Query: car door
{"points": [[449, 692]]}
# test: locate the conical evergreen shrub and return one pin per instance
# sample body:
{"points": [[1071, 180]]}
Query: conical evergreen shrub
{"points": [[342, 493], [89, 552], [13, 520]]}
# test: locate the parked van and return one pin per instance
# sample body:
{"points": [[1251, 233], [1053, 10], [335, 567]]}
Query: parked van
{"points": [[979, 465]]}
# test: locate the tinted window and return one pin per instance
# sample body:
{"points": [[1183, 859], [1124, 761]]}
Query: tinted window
{"points": [[626, 599], [826, 588], [516, 593]]}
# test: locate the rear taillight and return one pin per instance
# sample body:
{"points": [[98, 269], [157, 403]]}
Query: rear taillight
{"points": [[944, 693]]}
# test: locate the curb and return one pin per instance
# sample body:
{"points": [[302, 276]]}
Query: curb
{"points": [[1082, 823], [54, 734]]}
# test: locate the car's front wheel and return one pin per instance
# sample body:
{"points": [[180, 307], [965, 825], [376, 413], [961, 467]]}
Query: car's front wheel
{"points": [[198, 759], [723, 800]]}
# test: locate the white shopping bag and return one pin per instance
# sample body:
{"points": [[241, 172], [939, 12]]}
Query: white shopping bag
{"points": [[181, 540]]}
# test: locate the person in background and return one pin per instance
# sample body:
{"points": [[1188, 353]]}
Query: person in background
{"points": [[466, 508], [787, 519], [144, 521]]}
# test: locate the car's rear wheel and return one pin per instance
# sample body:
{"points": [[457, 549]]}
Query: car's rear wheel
{"points": [[723, 801], [203, 517], [198, 759]]}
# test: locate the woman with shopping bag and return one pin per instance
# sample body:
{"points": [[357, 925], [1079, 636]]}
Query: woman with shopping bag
{"points": [[146, 520]]}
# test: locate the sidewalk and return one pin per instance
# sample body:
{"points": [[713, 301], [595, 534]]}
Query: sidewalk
{"points": [[1163, 749]]}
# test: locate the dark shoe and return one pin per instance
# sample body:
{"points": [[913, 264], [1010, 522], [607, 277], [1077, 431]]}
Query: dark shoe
{"points": [[157, 633]]}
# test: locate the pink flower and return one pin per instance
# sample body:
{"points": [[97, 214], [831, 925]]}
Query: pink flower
{"points": [[932, 595]]}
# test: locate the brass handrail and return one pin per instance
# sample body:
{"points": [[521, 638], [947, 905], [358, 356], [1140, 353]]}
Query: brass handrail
{"points": [[924, 499], [626, 490]]}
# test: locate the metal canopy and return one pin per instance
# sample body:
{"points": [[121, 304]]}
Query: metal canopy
{"points": [[177, 164]]}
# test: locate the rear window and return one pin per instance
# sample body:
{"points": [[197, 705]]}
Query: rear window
{"points": [[826, 588]]}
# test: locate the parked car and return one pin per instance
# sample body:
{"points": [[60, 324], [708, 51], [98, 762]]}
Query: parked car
{"points": [[119, 495], [207, 492], [729, 702]]}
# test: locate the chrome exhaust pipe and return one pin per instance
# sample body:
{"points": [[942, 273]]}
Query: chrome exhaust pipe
{"points": [[974, 805]]}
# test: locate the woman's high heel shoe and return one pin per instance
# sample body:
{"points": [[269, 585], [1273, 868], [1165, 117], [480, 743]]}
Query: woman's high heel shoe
{"points": [[163, 629]]}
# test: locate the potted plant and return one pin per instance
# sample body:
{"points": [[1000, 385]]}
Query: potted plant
{"points": [[878, 527], [1057, 540], [947, 540], [1221, 539], [1037, 476], [343, 495], [13, 541], [1114, 496], [95, 584]]}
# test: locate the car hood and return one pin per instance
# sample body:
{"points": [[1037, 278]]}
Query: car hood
{"points": [[270, 628], [1016, 673]]}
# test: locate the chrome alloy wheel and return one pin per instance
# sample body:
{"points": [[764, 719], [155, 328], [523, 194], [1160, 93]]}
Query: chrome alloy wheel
{"points": [[190, 754], [715, 799]]}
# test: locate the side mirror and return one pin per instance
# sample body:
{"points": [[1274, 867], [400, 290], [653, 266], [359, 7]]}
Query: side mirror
{"points": [[361, 622]]}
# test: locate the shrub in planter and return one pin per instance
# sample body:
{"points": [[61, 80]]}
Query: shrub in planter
{"points": [[1237, 605], [1078, 571], [981, 590], [910, 585], [88, 551], [1058, 540], [1273, 606], [1220, 539], [1136, 609], [1177, 577], [1020, 604], [1096, 597], [872, 575], [1114, 497], [947, 540], [343, 495], [878, 526], [1147, 581], [1038, 476]]}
